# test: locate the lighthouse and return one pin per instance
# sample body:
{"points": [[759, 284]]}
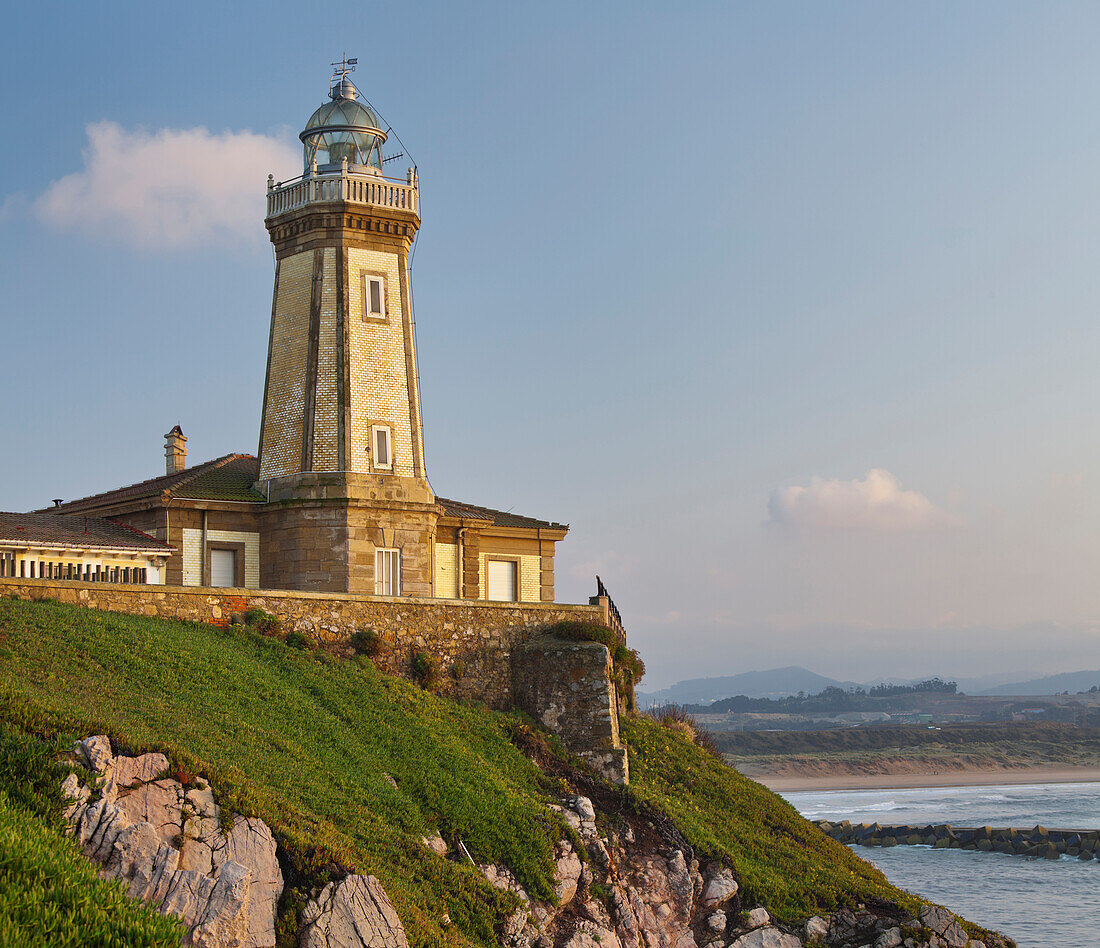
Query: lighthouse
{"points": [[341, 453]]}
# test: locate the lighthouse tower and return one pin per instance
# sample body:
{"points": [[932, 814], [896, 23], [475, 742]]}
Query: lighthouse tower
{"points": [[341, 450]]}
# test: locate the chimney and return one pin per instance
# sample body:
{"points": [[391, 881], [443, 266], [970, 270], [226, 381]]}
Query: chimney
{"points": [[175, 451]]}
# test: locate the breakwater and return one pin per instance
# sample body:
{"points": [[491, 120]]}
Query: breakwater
{"points": [[1038, 842]]}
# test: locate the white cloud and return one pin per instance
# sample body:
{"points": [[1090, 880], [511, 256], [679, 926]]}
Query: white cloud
{"points": [[876, 503], [170, 188]]}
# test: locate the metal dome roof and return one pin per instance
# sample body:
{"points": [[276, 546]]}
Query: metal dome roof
{"points": [[342, 113]]}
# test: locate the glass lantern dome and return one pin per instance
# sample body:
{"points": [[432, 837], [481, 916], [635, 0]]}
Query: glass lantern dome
{"points": [[343, 128]]}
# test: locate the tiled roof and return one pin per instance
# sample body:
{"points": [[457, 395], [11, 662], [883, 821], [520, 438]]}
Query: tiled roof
{"points": [[75, 531], [499, 518], [227, 478]]}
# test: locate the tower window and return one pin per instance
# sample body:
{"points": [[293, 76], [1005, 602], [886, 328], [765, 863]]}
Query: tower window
{"points": [[387, 572], [374, 296], [380, 440]]}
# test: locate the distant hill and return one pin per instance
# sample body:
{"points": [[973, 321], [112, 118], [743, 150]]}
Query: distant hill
{"points": [[774, 683], [1050, 685]]}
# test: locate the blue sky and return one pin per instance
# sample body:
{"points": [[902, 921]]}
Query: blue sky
{"points": [[788, 308]]}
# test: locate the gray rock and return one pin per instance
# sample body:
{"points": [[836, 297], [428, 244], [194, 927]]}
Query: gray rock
{"points": [[680, 882], [95, 753], [352, 913], [944, 924], [436, 843], [593, 937], [159, 803], [225, 921], [583, 807], [815, 930], [76, 794], [757, 918], [201, 801], [891, 938], [767, 938], [567, 874], [250, 843], [187, 896], [224, 886], [716, 922], [720, 887], [144, 769]]}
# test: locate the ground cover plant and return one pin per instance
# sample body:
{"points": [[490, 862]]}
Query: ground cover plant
{"points": [[313, 744], [781, 861], [303, 740], [50, 894]]}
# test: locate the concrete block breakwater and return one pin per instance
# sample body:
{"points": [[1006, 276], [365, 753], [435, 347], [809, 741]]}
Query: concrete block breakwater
{"points": [[1038, 842]]}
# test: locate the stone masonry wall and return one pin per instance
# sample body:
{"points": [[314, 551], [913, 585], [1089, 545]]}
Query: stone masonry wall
{"points": [[472, 641], [569, 687]]}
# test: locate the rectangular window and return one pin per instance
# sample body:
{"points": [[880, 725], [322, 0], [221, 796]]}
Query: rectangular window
{"points": [[387, 572], [374, 296], [503, 585], [380, 438]]}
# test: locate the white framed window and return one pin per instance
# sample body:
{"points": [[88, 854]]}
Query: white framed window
{"points": [[374, 296], [387, 572], [381, 447]]}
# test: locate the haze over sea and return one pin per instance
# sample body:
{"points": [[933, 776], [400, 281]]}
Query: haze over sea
{"points": [[1039, 903]]}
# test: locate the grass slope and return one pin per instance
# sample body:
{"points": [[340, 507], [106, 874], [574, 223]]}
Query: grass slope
{"points": [[306, 741], [50, 894], [783, 862]]}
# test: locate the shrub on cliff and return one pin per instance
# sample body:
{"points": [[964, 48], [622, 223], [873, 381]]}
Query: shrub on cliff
{"points": [[425, 669], [573, 630], [676, 718], [262, 621], [367, 642], [629, 667]]}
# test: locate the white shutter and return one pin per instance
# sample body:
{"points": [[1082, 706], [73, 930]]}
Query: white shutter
{"points": [[223, 568], [502, 580]]}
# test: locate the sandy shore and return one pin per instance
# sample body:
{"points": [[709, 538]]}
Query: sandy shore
{"points": [[950, 778]]}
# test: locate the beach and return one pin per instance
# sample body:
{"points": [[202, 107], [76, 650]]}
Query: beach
{"points": [[1016, 776]]}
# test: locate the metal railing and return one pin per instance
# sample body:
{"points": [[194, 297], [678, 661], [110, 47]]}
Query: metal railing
{"points": [[615, 620], [373, 190]]}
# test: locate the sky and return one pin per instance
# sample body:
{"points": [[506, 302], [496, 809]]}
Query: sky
{"points": [[788, 309]]}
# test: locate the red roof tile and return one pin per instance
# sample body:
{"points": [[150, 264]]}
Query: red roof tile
{"points": [[52, 529]]}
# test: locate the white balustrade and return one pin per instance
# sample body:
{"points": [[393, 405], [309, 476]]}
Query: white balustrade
{"points": [[353, 188]]}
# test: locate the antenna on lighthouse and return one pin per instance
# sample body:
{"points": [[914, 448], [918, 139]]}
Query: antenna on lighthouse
{"points": [[343, 67]]}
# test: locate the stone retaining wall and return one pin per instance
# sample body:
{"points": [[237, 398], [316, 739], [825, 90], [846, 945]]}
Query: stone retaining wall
{"points": [[570, 688], [470, 640], [1035, 843]]}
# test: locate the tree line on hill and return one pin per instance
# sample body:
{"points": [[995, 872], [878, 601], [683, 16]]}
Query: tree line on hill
{"points": [[831, 699]]}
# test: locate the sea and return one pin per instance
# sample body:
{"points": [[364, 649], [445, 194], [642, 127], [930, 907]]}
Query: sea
{"points": [[1039, 903]]}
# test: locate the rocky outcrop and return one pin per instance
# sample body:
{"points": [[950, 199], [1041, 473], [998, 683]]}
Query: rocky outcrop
{"points": [[169, 845], [352, 913], [623, 879], [641, 886]]}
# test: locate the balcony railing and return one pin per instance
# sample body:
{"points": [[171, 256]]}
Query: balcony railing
{"points": [[372, 190]]}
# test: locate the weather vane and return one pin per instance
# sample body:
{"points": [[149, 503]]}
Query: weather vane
{"points": [[343, 67]]}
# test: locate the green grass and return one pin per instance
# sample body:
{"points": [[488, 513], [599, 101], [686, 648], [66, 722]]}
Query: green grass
{"points": [[782, 861], [50, 894], [304, 741]]}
